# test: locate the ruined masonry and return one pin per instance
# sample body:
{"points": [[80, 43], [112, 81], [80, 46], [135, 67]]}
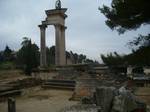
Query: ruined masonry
{"points": [[55, 17]]}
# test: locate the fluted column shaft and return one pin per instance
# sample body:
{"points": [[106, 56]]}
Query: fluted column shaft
{"points": [[43, 46], [60, 54]]}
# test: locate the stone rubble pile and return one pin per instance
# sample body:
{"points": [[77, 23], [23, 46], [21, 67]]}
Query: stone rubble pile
{"points": [[111, 99]]}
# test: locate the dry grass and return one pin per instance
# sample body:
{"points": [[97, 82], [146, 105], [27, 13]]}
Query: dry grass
{"points": [[6, 75]]}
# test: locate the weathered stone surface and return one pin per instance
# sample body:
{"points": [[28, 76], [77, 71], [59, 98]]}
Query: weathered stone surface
{"points": [[85, 87], [124, 102], [148, 109], [11, 105], [43, 46], [104, 97], [87, 100]]}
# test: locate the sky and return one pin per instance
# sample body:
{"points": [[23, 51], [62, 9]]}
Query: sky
{"points": [[86, 30]]}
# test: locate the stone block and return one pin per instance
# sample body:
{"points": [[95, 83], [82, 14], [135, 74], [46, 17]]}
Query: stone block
{"points": [[104, 97]]}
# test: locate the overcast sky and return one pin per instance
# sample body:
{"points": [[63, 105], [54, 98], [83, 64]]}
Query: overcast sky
{"points": [[86, 32]]}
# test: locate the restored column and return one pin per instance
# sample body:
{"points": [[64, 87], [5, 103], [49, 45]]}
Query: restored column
{"points": [[60, 54], [43, 46], [63, 45]]}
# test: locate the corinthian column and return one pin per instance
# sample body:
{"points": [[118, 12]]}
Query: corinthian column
{"points": [[43, 46]]}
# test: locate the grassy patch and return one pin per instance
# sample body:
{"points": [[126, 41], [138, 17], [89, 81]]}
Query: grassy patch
{"points": [[7, 65]]}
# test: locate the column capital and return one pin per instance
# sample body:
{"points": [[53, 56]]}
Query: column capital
{"points": [[64, 27], [43, 26]]}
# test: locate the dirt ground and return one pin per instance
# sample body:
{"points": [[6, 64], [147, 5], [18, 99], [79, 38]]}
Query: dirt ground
{"points": [[11, 75], [143, 93], [39, 100]]}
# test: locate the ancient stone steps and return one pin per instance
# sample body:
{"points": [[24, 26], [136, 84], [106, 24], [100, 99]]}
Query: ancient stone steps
{"points": [[10, 93], [61, 81], [58, 87], [7, 90], [60, 84]]}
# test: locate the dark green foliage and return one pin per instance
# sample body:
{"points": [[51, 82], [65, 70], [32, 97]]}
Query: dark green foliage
{"points": [[140, 41], [7, 65], [7, 59], [140, 57], [74, 57], [8, 54], [89, 61], [1, 57], [127, 14], [141, 51], [79, 58], [113, 59], [28, 56]]}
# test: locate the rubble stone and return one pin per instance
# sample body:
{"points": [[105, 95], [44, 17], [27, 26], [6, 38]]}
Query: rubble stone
{"points": [[124, 102], [104, 97]]}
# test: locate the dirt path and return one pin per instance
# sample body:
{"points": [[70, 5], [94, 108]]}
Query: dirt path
{"points": [[143, 93], [36, 100]]}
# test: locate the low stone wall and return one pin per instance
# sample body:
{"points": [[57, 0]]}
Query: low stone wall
{"points": [[44, 75]]}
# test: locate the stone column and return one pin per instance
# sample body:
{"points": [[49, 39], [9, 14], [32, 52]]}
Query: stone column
{"points": [[60, 55], [11, 105], [63, 46], [43, 46]]}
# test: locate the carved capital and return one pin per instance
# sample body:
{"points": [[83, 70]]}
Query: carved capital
{"points": [[43, 26]]}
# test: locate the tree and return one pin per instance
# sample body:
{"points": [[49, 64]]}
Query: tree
{"points": [[127, 14], [7, 54], [140, 57], [1, 57], [114, 59], [81, 58], [140, 41], [28, 56]]}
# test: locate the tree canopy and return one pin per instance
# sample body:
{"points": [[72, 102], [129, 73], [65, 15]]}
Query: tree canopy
{"points": [[7, 54], [28, 56], [127, 14], [113, 59], [139, 57], [140, 41]]}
